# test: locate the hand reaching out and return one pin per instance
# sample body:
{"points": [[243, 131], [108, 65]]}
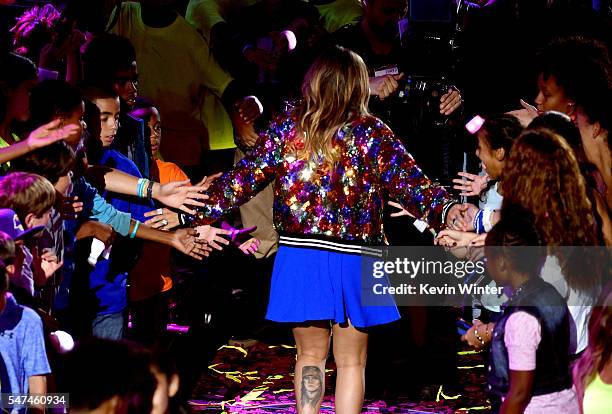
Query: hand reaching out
{"points": [[180, 195], [187, 242], [50, 133], [402, 211], [162, 219], [470, 184]]}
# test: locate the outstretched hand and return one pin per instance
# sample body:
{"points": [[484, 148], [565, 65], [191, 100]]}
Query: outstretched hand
{"points": [[470, 184], [50, 133], [187, 242], [181, 195]]}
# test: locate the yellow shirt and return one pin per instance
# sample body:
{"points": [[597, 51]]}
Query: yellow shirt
{"points": [[598, 397], [3, 144], [179, 74], [339, 13], [204, 14]]}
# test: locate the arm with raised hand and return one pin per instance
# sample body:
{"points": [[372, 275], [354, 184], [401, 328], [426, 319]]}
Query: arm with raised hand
{"points": [[40, 137], [248, 177]]}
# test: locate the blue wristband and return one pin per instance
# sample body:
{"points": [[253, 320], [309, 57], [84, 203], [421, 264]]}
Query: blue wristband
{"points": [[133, 233]]}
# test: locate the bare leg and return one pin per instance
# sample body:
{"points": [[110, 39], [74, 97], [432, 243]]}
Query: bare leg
{"points": [[312, 349], [350, 353]]}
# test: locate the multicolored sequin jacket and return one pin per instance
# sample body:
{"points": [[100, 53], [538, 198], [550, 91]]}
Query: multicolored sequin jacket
{"points": [[342, 204]]}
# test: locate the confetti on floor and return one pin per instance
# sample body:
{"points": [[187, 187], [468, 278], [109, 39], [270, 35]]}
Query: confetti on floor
{"points": [[257, 380]]}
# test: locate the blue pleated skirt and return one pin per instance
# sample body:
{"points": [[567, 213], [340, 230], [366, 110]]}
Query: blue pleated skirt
{"points": [[313, 285]]}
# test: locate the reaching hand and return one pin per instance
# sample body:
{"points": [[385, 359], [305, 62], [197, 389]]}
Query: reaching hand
{"points": [[163, 219], [525, 115], [250, 246], [384, 86], [211, 236], [50, 133], [207, 181], [100, 231], [187, 242], [249, 109], [470, 184], [461, 217], [179, 194], [49, 264], [244, 132], [454, 238], [69, 207], [402, 211]]}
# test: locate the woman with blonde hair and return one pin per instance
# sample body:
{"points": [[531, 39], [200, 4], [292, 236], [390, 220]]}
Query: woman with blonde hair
{"points": [[593, 371], [332, 162]]}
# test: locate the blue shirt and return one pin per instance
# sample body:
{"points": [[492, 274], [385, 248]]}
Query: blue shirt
{"points": [[95, 207], [22, 347], [108, 279]]}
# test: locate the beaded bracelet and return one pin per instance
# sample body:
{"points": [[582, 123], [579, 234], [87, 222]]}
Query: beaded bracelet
{"points": [[478, 337]]}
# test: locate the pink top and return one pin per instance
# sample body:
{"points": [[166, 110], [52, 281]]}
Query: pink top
{"points": [[522, 337]]}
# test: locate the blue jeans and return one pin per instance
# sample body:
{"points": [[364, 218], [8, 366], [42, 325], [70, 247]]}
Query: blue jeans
{"points": [[111, 326]]}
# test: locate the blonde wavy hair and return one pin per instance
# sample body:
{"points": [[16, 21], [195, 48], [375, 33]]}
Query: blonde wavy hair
{"points": [[335, 92], [542, 178], [599, 351]]}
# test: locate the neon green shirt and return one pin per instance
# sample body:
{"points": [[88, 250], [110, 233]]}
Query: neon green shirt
{"points": [[3, 144], [339, 13], [178, 72], [598, 397]]}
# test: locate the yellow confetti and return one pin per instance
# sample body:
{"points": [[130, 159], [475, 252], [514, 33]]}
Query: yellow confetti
{"points": [[253, 396], [238, 348], [283, 390], [475, 366], [472, 352]]}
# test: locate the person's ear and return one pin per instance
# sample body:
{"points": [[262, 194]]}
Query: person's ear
{"points": [[597, 129], [29, 220], [571, 110], [500, 154], [173, 387], [10, 269]]}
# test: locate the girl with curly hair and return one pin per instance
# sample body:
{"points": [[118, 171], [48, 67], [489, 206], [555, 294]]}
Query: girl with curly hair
{"points": [[544, 181]]}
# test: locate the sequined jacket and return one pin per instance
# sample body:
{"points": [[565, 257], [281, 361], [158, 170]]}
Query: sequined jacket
{"points": [[323, 206]]}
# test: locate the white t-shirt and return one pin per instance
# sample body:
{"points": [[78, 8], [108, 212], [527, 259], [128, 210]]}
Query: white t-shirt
{"points": [[579, 304]]}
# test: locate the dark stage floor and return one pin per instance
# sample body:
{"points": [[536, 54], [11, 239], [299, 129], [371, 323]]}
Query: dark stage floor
{"points": [[256, 380]]}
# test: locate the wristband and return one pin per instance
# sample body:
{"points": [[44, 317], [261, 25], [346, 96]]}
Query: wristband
{"points": [[487, 219], [478, 222], [445, 210], [150, 190], [140, 188], [133, 233]]}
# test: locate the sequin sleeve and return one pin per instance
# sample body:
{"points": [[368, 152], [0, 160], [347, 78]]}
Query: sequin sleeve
{"points": [[249, 176], [407, 184]]}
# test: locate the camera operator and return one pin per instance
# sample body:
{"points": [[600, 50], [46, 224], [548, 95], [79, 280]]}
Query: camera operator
{"points": [[405, 77], [412, 95]]}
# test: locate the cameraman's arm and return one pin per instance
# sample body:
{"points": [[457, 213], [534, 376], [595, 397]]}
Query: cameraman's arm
{"points": [[384, 86]]}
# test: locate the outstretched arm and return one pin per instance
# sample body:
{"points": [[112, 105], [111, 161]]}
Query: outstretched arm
{"points": [[248, 177], [407, 184]]}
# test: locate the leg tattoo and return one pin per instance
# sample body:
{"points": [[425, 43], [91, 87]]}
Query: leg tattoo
{"points": [[312, 386]]}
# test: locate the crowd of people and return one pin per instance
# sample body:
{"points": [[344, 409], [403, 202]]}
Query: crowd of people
{"points": [[299, 137]]}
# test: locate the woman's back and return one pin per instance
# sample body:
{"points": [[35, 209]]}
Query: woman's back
{"points": [[342, 201]]}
